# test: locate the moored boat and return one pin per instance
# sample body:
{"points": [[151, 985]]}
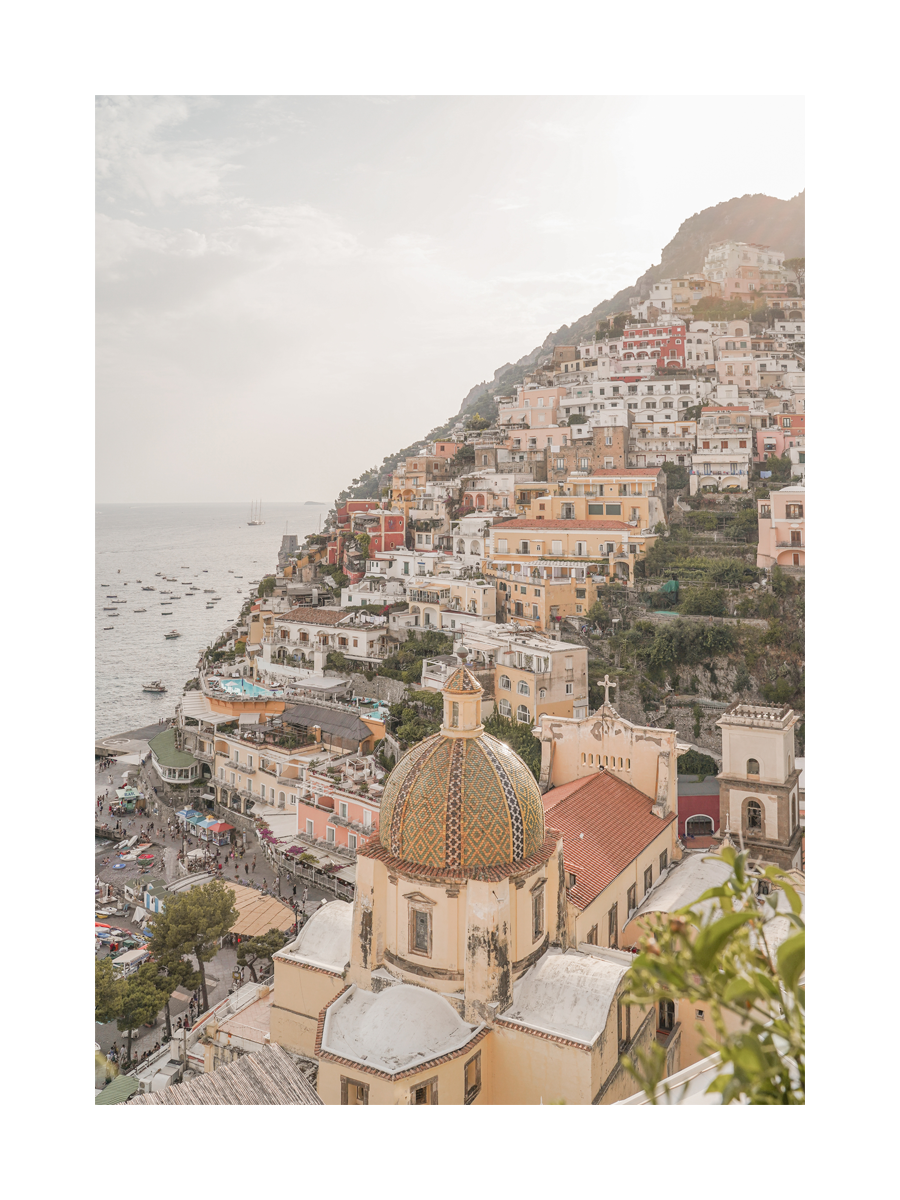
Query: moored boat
{"points": [[173, 633], [156, 686]]}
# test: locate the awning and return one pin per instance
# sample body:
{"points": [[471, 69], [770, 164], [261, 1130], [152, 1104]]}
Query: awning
{"points": [[252, 718], [208, 796]]}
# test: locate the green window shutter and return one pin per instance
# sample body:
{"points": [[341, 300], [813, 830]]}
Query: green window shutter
{"points": [[614, 510], [595, 510]]}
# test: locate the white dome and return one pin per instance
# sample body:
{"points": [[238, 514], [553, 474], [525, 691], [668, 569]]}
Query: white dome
{"points": [[400, 1026], [325, 938]]}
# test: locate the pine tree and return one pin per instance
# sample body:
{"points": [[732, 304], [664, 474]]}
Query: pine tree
{"points": [[193, 923]]}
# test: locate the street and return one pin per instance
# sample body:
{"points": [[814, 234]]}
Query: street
{"points": [[219, 970]]}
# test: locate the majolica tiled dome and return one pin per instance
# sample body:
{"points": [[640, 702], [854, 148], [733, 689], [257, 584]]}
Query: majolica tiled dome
{"points": [[460, 799]]}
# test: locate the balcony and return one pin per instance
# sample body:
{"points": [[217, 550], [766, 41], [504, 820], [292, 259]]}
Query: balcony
{"points": [[791, 545]]}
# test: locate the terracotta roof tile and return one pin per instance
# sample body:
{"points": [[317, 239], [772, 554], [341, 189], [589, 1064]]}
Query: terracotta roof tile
{"points": [[617, 824]]}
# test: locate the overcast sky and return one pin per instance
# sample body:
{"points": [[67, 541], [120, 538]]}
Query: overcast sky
{"points": [[291, 288]]}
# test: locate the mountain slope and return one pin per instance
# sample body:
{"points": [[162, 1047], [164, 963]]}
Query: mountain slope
{"points": [[751, 218]]}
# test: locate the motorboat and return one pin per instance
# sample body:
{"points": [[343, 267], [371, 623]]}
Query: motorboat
{"points": [[166, 614], [109, 608], [156, 686], [173, 633], [109, 627], [104, 585], [139, 610], [210, 590], [148, 589], [174, 597], [217, 597]]}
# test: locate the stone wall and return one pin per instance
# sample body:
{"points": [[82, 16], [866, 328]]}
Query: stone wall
{"points": [[380, 688]]}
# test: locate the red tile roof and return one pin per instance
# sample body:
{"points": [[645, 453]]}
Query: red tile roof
{"points": [[617, 824], [537, 524]]}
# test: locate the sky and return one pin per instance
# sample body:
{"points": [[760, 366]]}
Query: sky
{"points": [[291, 288]]}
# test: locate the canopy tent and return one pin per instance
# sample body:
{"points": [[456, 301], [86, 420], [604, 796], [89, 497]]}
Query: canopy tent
{"points": [[187, 813], [204, 822], [220, 827]]}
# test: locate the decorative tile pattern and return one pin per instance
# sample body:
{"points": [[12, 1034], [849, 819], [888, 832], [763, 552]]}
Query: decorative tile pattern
{"points": [[454, 803], [461, 804], [462, 680], [512, 800]]}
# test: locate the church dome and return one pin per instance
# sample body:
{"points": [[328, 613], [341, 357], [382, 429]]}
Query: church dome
{"points": [[461, 800]]}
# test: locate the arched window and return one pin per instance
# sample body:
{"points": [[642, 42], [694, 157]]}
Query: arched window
{"points": [[523, 715], [460, 547], [474, 548], [281, 799], [699, 826], [505, 708], [504, 682], [454, 714], [522, 688], [752, 766], [542, 694], [754, 815]]}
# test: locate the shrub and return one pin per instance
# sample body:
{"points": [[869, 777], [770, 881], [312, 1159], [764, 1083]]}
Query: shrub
{"points": [[695, 763], [702, 602]]}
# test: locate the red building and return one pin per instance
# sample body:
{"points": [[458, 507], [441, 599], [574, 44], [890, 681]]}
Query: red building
{"points": [[698, 810], [386, 530], [662, 343]]}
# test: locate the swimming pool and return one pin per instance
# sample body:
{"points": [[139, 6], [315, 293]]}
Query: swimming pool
{"points": [[243, 687]]}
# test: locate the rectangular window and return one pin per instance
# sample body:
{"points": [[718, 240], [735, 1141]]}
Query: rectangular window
{"points": [[537, 914], [352, 841], [592, 937], [310, 829], [632, 899], [329, 834], [614, 926], [614, 510], [663, 861], [648, 879], [353, 1092], [473, 1078], [420, 931], [425, 1092]]}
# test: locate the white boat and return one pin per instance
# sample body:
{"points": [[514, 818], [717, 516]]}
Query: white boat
{"points": [[139, 610], [256, 513], [156, 686], [148, 589], [173, 633]]}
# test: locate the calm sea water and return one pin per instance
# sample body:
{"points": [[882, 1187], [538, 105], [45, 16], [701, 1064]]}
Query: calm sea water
{"points": [[210, 545]]}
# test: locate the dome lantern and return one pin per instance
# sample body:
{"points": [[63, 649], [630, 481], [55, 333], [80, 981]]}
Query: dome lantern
{"points": [[462, 705]]}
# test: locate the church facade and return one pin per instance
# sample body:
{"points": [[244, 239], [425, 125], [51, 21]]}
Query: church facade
{"points": [[453, 978]]}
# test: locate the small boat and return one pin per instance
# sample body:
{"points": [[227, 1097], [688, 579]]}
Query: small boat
{"points": [[139, 610], [109, 626], [230, 572], [205, 571], [217, 597], [148, 589], [109, 608], [165, 614], [210, 606], [239, 577], [184, 568], [210, 590], [174, 597], [156, 686], [138, 581], [173, 633], [157, 575]]}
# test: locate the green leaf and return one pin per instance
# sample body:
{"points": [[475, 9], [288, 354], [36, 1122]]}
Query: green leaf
{"points": [[738, 990], [711, 939], [791, 957], [793, 898]]}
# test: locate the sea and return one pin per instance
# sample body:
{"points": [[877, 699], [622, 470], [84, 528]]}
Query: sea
{"points": [[208, 545]]}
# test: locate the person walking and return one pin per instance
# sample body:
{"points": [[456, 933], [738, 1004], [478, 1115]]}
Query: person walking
{"points": [[246, 869]]}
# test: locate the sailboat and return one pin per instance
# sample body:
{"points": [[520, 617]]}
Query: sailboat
{"points": [[256, 513]]}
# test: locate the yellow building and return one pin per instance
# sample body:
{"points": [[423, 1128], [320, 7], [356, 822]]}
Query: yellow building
{"points": [[451, 979]]}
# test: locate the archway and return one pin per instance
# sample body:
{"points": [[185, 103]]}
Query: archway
{"points": [[699, 826], [479, 501]]}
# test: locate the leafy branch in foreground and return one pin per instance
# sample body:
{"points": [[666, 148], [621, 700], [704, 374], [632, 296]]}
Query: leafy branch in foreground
{"points": [[727, 956]]}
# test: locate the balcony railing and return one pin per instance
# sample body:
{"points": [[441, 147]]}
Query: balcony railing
{"points": [[791, 545]]}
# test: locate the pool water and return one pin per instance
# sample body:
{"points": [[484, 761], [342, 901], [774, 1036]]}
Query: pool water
{"points": [[243, 687]]}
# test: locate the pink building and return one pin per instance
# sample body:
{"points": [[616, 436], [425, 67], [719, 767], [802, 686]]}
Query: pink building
{"points": [[782, 528], [788, 433], [338, 817], [533, 406]]}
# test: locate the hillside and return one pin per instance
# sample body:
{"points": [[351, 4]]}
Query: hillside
{"points": [[754, 218]]}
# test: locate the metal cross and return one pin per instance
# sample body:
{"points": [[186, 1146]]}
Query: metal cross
{"points": [[606, 683]]}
